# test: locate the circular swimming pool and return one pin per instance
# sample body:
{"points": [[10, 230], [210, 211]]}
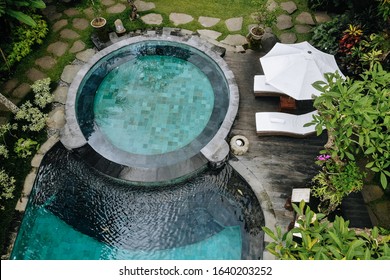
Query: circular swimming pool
{"points": [[153, 104]]}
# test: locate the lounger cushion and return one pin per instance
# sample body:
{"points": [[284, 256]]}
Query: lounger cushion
{"points": [[276, 123]]}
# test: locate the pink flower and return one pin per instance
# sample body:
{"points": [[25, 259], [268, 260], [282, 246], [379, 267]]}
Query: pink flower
{"points": [[323, 157]]}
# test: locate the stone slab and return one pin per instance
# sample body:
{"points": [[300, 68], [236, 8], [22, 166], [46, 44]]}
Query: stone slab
{"points": [[234, 24], [69, 34], [77, 46], [143, 6], [58, 25], [45, 147], [80, 23], [60, 94], [10, 85], [322, 17], [69, 73], [305, 18], [58, 48], [28, 183], [290, 7], [302, 29], [179, 18], [71, 12], [46, 62], [235, 40], [209, 33], [36, 161], [272, 5], [21, 91], [153, 19], [288, 38], [108, 2], [86, 55], [208, 21], [34, 74], [116, 9], [284, 22], [57, 118]]}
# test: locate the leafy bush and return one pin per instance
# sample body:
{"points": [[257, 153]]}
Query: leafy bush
{"points": [[334, 182], [321, 240], [25, 147], [7, 184], [356, 115], [25, 38]]}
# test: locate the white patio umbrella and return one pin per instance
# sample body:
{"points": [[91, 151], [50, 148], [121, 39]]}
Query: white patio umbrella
{"points": [[292, 68]]}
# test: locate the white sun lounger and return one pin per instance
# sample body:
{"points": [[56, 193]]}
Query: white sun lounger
{"points": [[261, 88], [276, 123]]}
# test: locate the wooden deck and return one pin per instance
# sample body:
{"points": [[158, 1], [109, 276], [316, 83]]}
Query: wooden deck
{"points": [[279, 163]]}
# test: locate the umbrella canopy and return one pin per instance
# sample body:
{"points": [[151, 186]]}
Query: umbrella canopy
{"points": [[292, 68]]}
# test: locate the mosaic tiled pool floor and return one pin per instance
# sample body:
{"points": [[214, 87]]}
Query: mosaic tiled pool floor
{"points": [[154, 104], [67, 243]]}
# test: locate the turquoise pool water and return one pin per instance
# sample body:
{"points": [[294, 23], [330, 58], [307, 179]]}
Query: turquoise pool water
{"points": [[153, 104], [49, 238], [74, 212]]}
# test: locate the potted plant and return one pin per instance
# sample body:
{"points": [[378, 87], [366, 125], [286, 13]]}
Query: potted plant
{"points": [[98, 22], [265, 18]]}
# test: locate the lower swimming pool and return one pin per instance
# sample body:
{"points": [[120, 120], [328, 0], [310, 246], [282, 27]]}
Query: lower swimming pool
{"points": [[75, 212]]}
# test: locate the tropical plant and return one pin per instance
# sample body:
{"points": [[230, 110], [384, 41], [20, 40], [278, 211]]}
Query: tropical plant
{"points": [[16, 9], [335, 181], [7, 184], [356, 116], [24, 147], [384, 9], [25, 38], [318, 239]]}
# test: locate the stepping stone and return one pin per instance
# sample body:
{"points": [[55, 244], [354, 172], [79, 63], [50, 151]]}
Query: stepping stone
{"points": [[58, 48], [57, 118], [69, 34], [284, 22], [34, 74], [234, 24], [178, 18], [208, 21], [235, 40], [117, 9], [86, 55], [305, 18], [51, 13], [155, 19], [209, 33], [21, 91], [143, 6], [271, 5], [289, 7], [69, 73], [80, 23], [89, 13], [10, 85], [46, 62], [77, 46], [288, 38], [59, 24], [71, 12], [322, 17], [108, 2], [302, 29], [60, 94]]}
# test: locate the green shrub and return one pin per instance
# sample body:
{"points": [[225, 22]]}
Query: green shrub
{"points": [[356, 116], [25, 38], [321, 240]]}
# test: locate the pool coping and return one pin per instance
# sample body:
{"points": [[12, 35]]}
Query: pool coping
{"points": [[214, 153]]}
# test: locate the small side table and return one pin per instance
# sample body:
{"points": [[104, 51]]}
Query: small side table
{"points": [[287, 103], [300, 194]]}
